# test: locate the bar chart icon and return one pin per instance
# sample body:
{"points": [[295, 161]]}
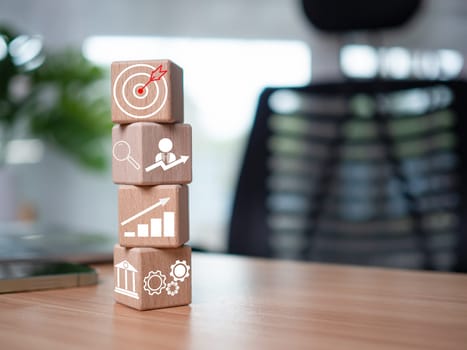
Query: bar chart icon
{"points": [[157, 226]]}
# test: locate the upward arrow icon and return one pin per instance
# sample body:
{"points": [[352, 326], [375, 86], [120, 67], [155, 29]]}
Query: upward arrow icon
{"points": [[162, 201], [164, 166], [155, 75]]}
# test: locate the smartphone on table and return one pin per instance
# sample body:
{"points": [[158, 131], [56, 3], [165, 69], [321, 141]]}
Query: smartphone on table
{"points": [[28, 275]]}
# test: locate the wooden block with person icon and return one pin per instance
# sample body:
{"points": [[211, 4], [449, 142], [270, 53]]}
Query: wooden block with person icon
{"points": [[151, 154], [150, 91]]}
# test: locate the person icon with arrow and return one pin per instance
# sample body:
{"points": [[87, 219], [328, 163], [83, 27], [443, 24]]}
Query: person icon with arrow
{"points": [[165, 159]]}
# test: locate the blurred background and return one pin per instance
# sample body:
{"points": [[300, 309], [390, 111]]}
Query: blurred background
{"points": [[55, 129]]}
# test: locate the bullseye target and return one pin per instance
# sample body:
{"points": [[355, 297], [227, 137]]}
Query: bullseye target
{"points": [[137, 94]]}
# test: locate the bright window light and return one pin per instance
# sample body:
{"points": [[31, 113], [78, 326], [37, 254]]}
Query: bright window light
{"points": [[222, 77], [430, 65], [3, 48], [397, 62], [451, 63], [24, 151], [222, 82], [362, 61], [359, 61]]}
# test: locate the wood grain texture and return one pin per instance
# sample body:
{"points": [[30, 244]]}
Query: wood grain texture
{"points": [[150, 278], [242, 303], [137, 158], [153, 216], [135, 97]]}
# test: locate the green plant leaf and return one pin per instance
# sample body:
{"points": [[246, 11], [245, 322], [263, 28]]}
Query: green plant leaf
{"points": [[66, 104]]}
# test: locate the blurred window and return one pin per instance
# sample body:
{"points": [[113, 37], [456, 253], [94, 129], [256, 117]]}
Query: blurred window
{"points": [[222, 82], [365, 62]]}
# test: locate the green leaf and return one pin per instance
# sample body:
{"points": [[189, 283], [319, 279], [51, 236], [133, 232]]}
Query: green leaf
{"points": [[67, 104]]}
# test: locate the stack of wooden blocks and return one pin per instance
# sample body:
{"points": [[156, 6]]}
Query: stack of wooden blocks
{"points": [[151, 160]]}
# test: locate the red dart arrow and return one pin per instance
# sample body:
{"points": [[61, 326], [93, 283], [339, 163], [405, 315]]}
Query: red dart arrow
{"points": [[156, 74]]}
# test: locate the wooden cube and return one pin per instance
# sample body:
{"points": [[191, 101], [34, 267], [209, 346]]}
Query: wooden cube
{"points": [[153, 216], [151, 278], [151, 154], [147, 91]]}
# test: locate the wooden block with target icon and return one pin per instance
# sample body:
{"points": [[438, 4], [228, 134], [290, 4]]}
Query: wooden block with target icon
{"points": [[151, 154], [149, 91], [153, 216], [151, 278]]}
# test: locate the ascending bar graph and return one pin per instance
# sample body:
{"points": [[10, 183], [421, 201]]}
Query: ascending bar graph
{"points": [[156, 227]]}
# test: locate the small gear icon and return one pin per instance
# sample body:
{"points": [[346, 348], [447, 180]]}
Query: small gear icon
{"points": [[154, 282], [180, 270], [172, 288]]}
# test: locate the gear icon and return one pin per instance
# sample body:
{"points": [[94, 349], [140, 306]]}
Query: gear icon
{"points": [[154, 282], [180, 270], [172, 288]]}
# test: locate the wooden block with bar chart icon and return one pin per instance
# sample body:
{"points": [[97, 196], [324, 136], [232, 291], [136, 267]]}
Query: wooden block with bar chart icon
{"points": [[151, 154], [151, 278], [153, 216], [149, 91]]}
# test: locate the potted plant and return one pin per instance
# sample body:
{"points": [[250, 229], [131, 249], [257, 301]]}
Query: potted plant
{"points": [[56, 97]]}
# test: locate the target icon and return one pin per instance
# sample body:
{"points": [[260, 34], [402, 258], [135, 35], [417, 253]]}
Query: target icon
{"points": [[140, 91]]}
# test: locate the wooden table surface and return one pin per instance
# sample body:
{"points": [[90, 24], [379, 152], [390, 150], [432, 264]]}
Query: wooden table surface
{"points": [[242, 303]]}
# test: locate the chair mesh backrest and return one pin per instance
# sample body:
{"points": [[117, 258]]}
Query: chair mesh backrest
{"points": [[354, 173]]}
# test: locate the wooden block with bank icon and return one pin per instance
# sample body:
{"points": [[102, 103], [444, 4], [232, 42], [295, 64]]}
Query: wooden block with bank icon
{"points": [[149, 90], [151, 278]]}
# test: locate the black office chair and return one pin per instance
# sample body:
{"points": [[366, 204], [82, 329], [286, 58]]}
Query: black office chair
{"points": [[359, 172], [364, 173]]}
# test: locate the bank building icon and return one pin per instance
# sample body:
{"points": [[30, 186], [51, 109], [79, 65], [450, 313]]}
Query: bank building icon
{"points": [[125, 284]]}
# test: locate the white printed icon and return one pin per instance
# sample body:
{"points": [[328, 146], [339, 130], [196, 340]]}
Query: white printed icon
{"points": [[165, 159], [172, 288], [155, 281], [121, 151], [180, 270], [140, 91], [157, 227], [126, 285]]}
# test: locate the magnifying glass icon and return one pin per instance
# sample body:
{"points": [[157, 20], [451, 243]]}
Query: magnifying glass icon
{"points": [[122, 151]]}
